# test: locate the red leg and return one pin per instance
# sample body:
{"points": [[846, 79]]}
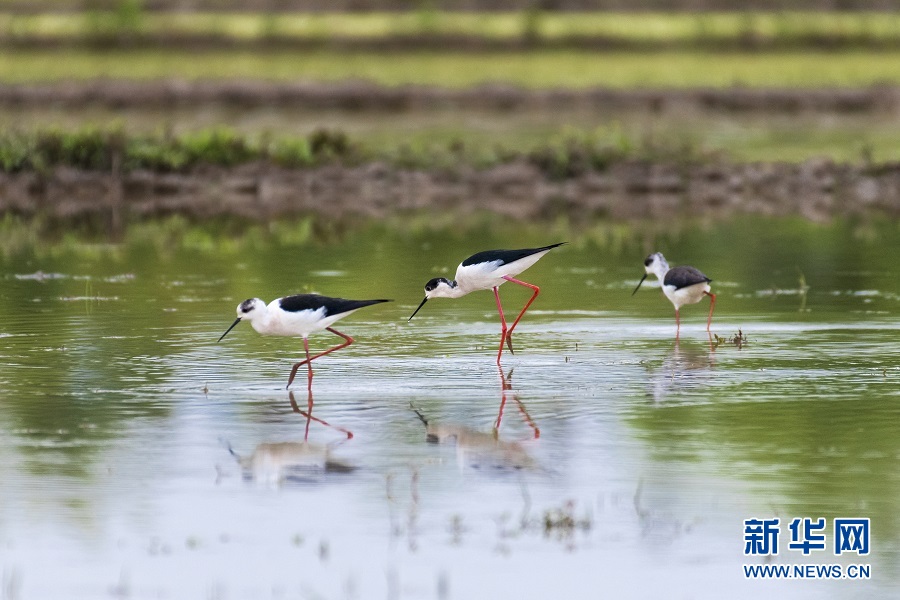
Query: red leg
{"points": [[503, 337], [349, 340], [677, 324], [299, 364], [712, 306], [308, 366], [537, 291]]}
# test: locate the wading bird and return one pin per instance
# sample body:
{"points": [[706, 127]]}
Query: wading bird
{"points": [[681, 285], [489, 270], [299, 316]]}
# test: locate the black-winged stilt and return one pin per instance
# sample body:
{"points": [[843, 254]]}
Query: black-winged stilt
{"points": [[681, 285], [299, 316], [488, 270]]}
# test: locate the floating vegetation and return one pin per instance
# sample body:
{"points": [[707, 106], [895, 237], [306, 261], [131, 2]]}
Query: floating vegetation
{"points": [[738, 339], [562, 523]]}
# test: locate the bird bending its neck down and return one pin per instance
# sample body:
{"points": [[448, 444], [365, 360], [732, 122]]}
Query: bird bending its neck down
{"points": [[655, 264], [440, 287]]}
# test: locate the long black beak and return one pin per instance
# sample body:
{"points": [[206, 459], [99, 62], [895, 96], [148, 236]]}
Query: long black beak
{"points": [[639, 284], [424, 300], [236, 321]]}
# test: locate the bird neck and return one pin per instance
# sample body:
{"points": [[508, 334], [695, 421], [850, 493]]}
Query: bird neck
{"points": [[660, 270], [454, 290], [262, 322]]}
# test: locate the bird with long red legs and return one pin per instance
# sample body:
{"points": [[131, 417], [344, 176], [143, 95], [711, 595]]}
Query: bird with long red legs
{"points": [[299, 316], [681, 285], [489, 270]]}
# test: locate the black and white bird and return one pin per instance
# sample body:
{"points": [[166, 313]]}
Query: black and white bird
{"points": [[299, 316], [681, 285], [489, 270]]}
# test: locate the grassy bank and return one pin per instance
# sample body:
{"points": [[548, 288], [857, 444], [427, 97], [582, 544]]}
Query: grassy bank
{"points": [[533, 69], [558, 152], [111, 178], [106, 149], [744, 124]]}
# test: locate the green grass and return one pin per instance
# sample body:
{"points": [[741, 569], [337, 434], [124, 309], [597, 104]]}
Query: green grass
{"points": [[558, 154], [485, 135], [795, 144], [781, 138], [103, 149], [536, 69], [636, 27]]}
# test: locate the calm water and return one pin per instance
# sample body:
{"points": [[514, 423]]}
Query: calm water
{"points": [[140, 459]]}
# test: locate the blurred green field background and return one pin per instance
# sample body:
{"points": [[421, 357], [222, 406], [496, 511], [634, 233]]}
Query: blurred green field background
{"points": [[553, 50], [533, 69], [748, 28]]}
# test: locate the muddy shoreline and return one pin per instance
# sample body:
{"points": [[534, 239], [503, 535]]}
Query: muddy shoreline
{"points": [[367, 96], [627, 190]]}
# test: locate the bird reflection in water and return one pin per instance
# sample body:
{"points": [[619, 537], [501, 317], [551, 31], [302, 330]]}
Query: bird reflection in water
{"points": [[280, 463], [307, 414], [685, 369], [506, 386], [485, 450]]}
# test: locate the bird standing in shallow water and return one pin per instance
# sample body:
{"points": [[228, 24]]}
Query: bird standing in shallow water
{"points": [[489, 270], [299, 315], [681, 285]]}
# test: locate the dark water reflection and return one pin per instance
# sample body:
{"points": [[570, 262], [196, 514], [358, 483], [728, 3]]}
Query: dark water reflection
{"points": [[486, 450], [141, 459], [687, 368]]}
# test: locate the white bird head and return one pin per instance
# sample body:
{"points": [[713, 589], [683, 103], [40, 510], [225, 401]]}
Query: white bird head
{"points": [[439, 287], [655, 264], [249, 309]]}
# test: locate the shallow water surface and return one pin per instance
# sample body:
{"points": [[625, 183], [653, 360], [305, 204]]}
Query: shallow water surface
{"points": [[143, 460]]}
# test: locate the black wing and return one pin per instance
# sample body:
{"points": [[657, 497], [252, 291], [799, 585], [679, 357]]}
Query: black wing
{"points": [[682, 277], [504, 256], [333, 306]]}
